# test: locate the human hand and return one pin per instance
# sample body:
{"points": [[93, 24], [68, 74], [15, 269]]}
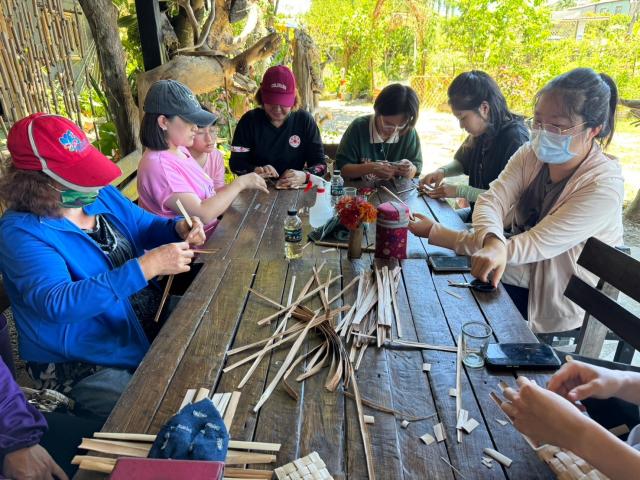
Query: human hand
{"points": [[267, 171], [577, 380], [31, 463], [405, 168], [542, 415], [488, 263], [252, 181], [383, 170], [445, 190], [291, 178], [421, 228], [192, 235], [433, 179], [167, 259]]}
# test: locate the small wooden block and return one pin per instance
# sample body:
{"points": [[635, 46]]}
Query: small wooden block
{"points": [[470, 425], [426, 367], [404, 424], [428, 439], [463, 416], [502, 422], [453, 392], [369, 419], [497, 456], [619, 430], [438, 430]]}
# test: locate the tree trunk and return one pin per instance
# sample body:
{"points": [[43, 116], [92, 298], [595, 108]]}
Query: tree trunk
{"points": [[306, 68], [203, 74], [632, 212], [102, 16]]}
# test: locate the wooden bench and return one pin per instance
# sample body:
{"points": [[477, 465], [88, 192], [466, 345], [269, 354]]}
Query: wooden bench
{"points": [[127, 183]]}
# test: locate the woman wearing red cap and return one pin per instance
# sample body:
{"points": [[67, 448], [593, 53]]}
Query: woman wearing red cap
{"points": [[277, 140], [78, 259], [168, 172]]}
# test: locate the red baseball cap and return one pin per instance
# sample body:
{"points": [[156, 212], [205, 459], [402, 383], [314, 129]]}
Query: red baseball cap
{"points": [[278, 86], [59, 148]]}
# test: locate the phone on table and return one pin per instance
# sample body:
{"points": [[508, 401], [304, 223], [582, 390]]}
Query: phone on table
{"points": [[443, 263], [532, 356]]}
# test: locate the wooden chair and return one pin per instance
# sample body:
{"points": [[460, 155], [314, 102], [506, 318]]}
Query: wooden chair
{"points": [[617, 272], [127, 183]]}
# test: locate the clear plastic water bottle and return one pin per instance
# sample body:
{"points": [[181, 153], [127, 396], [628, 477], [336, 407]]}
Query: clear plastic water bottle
{"points": [[321, 212], [292, 235], [337, 187]]}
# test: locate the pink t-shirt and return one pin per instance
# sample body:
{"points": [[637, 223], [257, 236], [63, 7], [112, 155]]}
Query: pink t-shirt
{"points": [[214, 167], [162, 174]]}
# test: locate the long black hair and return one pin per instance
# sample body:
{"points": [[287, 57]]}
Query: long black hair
{"points": [[398, 99], [469, 89], [594, 97]]}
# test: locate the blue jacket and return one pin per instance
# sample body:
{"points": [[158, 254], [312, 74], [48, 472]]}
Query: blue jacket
{"points": [[68, 303]]}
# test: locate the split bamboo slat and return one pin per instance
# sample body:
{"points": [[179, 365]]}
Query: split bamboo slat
{"points": [[39, 43]]}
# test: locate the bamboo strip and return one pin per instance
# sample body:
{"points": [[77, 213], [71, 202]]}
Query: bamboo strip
{"points": [[459, 385], [148, 439], [188, 398], [231, 409], [165, 295], [185, 214], [342, 245], [411, 217]]}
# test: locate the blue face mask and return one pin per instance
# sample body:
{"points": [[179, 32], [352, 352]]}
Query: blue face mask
{"points": [[552, 148]]}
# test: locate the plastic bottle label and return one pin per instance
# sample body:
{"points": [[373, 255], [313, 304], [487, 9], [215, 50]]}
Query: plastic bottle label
{"points": [[337, 190], [293, 236]]}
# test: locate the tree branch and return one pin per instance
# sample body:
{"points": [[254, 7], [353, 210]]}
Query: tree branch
{"points": [[260, 50], [204, 34], [186, 4]]}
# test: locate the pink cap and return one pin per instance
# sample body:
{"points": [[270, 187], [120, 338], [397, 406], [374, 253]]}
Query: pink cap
{"points": [[278, 87]]}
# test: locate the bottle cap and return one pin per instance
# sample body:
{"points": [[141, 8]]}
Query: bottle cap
{"points": [[336, 171], [292, 212]]}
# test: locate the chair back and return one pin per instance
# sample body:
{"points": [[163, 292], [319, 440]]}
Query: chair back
{"points": [[618, 272]]}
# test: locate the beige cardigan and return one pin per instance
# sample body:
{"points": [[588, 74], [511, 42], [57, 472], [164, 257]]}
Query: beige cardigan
{"points": [[589, 206]]}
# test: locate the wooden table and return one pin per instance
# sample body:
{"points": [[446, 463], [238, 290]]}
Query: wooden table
{"points": [[218, 313]]}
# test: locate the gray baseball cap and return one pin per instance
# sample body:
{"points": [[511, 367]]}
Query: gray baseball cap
{"points": [[170, 97]]}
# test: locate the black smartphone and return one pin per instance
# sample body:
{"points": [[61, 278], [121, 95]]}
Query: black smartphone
{"points": [[442, 263], [533, 356]]}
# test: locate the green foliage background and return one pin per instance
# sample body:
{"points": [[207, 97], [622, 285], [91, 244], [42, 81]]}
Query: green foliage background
{"points": [[432, 41]]}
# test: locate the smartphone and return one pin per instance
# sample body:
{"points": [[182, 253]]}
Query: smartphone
{"points": [[533, 356], [442, 263]]}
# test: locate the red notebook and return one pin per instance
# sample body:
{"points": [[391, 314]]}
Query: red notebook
{"points": [[161, 469]]}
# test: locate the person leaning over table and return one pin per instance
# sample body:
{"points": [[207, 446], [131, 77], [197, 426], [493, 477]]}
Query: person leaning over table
{"points": [[556, 192], [385, 144], [277, 140], [495, 134], [78, 262], [168, 172], [551, 416]]}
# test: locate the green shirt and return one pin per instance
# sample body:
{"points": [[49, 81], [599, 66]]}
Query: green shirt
{"points": [[362, 144]]}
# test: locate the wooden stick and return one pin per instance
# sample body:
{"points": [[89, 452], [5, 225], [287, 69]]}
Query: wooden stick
{"points": [[285, 364], [322, 243], [459, 385], [345, 289], [231, 409], [420, 346], [368, 454], [96, 465], [165, 294], [411, 217], [184, 212], [201, 395], [78, 459], [456, 470], [233, 444], [188, 398]]}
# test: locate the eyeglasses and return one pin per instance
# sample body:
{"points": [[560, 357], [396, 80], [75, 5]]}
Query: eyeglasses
{"points": [[213, 131], [534, 126], [391, 126]]}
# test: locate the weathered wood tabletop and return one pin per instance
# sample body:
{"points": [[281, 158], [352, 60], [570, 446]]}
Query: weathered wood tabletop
{"points": [[218, 313]]}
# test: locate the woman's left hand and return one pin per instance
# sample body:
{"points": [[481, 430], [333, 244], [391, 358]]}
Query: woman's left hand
{"points": [[444, 191], [292, 178], [192, 235], [406, 169], [542, 415], [421, 228]]}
